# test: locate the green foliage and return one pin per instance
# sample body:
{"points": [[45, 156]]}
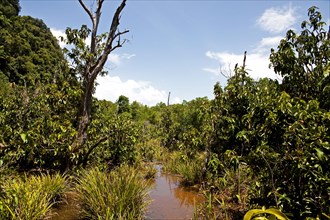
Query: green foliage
{"points": [[159, 153], [80, 53], [120, 194], [303, 60], [186, 126], [121, 137], [259, 142], [229, 107], [29, 54], [38, 94], [30, 197], [297, 171], [280, 131], [129, 137], [191, 171], [36, 125], [150, 150], [123, 104], [9, 8], [260, 214]]}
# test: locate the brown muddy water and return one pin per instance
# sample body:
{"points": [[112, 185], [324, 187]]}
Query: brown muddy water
{"points": [[169, 201]]}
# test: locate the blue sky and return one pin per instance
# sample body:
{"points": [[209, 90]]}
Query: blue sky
{"points": [[181, 46]]}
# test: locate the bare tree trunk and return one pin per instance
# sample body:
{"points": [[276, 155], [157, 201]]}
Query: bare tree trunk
{"points": [[208, 152], [94, 65], [84, 115]]}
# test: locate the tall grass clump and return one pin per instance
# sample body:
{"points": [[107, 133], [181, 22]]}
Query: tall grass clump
{"points": [[210, 208], [148, 171], [30, 197], [190, 169], [171, 161], [120, 194]]}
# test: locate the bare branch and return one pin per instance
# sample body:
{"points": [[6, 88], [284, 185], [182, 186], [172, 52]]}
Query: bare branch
{"points": [[112, 36], [244, 60], [96, 21], [114, 27], [227, 73], [103, 58], [99, 6], [86, 9], [119, 43], [102, 139]]}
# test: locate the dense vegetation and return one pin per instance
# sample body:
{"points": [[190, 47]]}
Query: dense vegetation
{"points": [[257, 143]]}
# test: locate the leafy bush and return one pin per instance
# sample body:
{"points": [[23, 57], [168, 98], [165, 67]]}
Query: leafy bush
{"points": [[36, 126], [121, 136]]}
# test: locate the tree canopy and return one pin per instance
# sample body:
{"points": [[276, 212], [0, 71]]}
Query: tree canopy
{"points": [[9, 8], [29, 53]]}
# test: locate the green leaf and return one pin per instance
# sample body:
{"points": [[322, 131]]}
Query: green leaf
{"points": [[327, 216], [254, 212], [24, 137], [277, 213], [320, 154], [272, 217]]}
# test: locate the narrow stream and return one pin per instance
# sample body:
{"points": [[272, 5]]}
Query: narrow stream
{"points": [[170, 201]]}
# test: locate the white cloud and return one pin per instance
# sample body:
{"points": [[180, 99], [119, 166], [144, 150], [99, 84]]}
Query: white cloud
{"points": [[111, 87], [58, 33], [114, 58], [276, 20], [215, 71], [268, 42], [257, 62], [117, 59]]}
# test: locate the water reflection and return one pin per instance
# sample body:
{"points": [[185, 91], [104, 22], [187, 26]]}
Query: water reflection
{"points": [[170, 201]]}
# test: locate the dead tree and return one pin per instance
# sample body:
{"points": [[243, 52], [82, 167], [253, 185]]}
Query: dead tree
{"points": [[95, 63]]}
